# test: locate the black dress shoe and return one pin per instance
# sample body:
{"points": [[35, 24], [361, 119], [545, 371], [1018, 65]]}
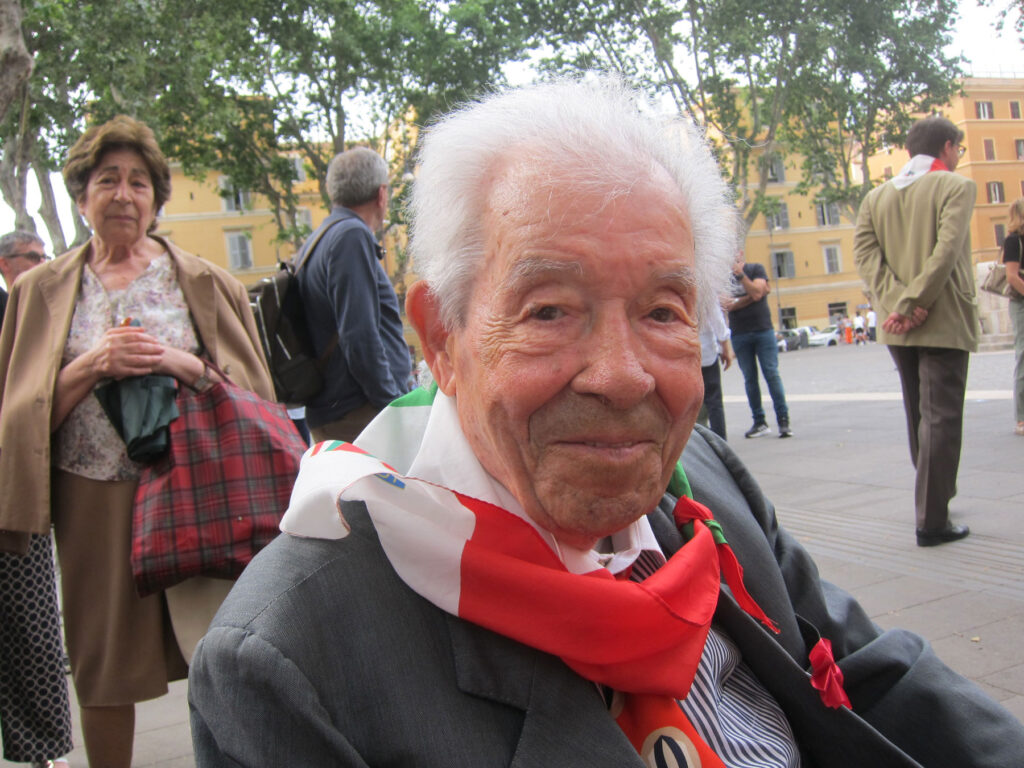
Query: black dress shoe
{"points": [[949, 533]]}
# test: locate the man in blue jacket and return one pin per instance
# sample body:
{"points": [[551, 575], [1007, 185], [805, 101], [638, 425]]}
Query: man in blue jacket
{"points": [[351, 306]]}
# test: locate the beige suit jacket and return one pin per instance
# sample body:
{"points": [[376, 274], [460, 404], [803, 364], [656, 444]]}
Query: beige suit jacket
{"points": [[32, 342], [912, 248]]}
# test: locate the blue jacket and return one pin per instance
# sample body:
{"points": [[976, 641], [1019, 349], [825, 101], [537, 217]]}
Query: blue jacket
{"points": [[347, 294]]}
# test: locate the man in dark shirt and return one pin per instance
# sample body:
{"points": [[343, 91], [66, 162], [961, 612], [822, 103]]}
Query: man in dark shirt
{"points": [[753, 340], [19, 252], [351, 306]]}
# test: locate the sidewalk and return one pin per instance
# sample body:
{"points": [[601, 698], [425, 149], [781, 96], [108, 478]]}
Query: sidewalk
{"points": [[844, 485]]}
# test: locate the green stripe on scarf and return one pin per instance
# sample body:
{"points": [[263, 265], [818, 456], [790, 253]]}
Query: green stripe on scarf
{"points": [[420, 396]]}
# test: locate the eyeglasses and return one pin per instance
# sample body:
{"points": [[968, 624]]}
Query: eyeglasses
{"points": [[36, 257], [960, 150]]}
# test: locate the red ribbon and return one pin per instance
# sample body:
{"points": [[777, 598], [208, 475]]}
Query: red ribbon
{"points": [[827, 677]]}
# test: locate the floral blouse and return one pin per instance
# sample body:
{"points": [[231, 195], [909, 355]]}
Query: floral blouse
{"points": [[86, 443]]}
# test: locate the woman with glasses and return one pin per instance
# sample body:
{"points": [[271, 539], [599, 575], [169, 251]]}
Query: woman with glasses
{"points": [[35, 718]]}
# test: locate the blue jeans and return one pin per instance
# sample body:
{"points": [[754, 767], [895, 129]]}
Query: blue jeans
{"points": [[749, 349]]}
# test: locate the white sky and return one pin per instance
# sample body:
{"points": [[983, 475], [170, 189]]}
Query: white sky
{"points": [[989, 54]]}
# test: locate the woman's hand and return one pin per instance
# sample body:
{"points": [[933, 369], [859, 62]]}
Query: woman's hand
{"points": [[126, 351]]}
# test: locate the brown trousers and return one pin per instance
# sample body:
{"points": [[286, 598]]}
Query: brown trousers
{"points": [[934, 382], [346, 428]]}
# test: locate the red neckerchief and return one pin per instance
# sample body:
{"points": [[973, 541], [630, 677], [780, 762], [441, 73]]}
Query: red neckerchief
{"points": [[644, 637]]}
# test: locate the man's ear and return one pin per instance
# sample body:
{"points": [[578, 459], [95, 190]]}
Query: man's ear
{"points": [[424, 312]]}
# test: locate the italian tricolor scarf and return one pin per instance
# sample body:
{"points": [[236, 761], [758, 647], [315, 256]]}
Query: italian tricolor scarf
{"points": [[916, 169], [457, 538]]}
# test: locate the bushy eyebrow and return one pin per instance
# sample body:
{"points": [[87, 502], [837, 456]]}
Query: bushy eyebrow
{"points": [[683, 279], [526, 270]]}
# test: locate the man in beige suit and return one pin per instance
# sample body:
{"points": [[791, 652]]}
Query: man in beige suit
{"points": [[912, 248]]}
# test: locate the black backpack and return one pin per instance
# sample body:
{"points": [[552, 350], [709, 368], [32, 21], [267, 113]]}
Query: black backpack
{"points": [[295, 368]]}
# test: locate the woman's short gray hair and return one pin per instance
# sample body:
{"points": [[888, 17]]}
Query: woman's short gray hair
{"points": [[593, 130], [354, 176]]}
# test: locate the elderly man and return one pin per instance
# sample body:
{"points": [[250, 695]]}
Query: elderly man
{"points": [[351, 307], [19, 252], [495, 573]]}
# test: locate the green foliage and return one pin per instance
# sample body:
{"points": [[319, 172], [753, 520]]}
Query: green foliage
{"points": [[237, 87], [811, 76]]}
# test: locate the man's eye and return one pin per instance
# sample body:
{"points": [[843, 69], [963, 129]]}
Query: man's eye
{"points": [[546, 313], [664, 315]]}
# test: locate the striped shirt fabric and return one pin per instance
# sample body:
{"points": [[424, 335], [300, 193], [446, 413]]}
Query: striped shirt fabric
{"points": [[727, 705]]}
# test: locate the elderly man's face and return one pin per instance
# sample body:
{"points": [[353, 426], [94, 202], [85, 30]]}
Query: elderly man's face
{"points": [[577, 372]]}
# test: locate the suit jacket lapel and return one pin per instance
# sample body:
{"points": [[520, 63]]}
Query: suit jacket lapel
{"points": [[565, 720]]}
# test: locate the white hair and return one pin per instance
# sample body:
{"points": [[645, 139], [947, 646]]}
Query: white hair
{"points": [[594, 131]]}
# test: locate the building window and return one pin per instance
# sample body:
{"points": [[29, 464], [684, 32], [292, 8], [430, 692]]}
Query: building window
{"points": [[1000, 234], [1022, 189], [235, 198], [239, 250], [990, 149], [776, 169], [836, 310], [833, 263], [887, 172], [1018, 145], [983, 110], [779, 219], [782, 264], [1015, 110], [995, 191], [304, 218], [300, 168], [827, 214], [787, 317]]}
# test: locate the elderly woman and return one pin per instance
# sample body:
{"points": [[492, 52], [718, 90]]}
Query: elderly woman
{"points": [[61, 460]]}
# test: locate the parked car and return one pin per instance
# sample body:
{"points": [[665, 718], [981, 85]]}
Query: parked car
{"points": [[789, 338], [826, 337]]}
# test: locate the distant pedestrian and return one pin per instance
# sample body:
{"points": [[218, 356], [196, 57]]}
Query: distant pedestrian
{"points": [[859, 336], [1013, 247], [351, 306], [714, 349], [872, 321], [35, 714], [912, 247], [753, 341]]}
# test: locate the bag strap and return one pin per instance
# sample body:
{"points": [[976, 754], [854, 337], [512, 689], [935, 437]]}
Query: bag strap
{"points": [[314, 240]]}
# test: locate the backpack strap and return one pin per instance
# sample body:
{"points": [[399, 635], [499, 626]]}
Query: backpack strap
{"points": [[304, 254], [310, 245]]}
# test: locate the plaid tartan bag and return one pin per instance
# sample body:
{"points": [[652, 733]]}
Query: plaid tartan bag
{"points": [[218, 495]]}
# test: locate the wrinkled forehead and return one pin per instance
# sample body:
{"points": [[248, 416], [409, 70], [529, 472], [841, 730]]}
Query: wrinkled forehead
{"points": [[572, 189]]}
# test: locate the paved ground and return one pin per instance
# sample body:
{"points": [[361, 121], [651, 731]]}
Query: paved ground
{"points": [[844, 485]]}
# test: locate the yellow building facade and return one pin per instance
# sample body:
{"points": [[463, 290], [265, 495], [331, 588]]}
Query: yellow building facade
{"points": [[233, 227], [808, 251]]}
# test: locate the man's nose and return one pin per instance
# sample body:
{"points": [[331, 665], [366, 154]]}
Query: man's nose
{"points": [[614, 364]]}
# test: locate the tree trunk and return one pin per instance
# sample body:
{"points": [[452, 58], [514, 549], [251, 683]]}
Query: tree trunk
{"points": [[15, 60], [48, 209], [14, 167]]}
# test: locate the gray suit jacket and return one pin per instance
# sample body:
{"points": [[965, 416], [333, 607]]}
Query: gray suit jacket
{"points": [[322, 656]]}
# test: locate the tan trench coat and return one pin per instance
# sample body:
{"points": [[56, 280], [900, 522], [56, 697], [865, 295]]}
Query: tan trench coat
{"points": [[913, 249], [36, 327]]}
